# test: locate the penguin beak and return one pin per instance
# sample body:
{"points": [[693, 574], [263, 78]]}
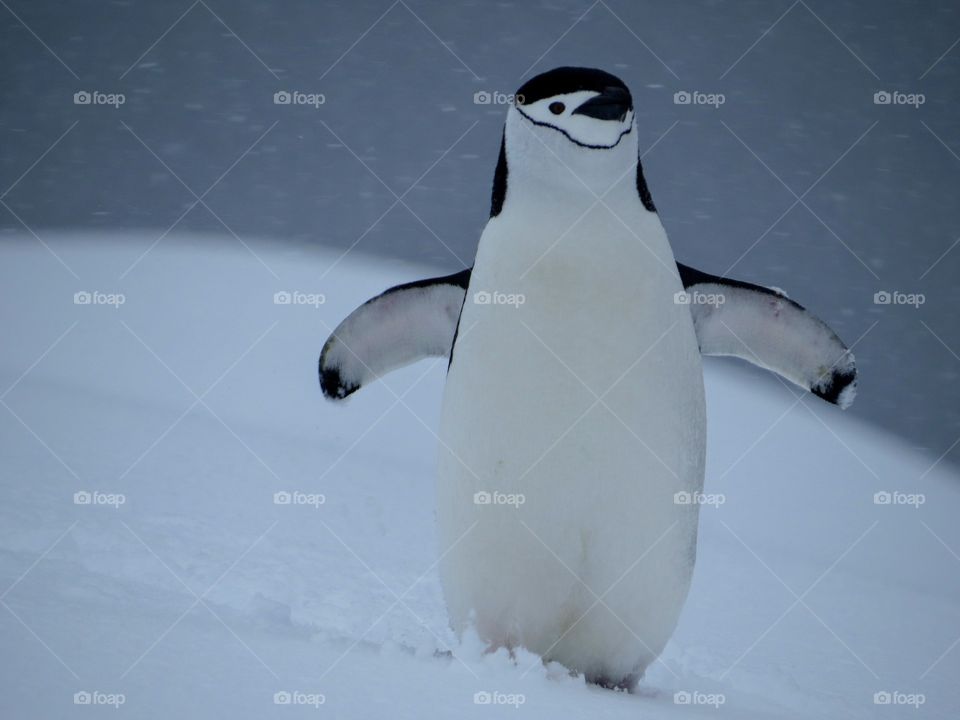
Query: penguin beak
{"points": [[612, 104]]}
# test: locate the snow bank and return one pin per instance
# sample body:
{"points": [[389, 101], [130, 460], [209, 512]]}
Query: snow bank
{"points": [[183, 584]]}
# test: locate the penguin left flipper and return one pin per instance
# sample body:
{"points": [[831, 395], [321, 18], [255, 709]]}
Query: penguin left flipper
{"points": [[401, 325], [766, 328], [417, 320]]}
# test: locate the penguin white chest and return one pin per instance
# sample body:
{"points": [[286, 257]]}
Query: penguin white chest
{"points": [[573, 414]]}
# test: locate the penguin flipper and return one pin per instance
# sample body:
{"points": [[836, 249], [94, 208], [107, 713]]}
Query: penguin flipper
{"points": [[766, 328], [401, 325], [417, 320]]}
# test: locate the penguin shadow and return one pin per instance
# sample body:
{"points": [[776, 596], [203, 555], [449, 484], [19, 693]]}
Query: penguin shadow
{"points": [[629, 685]]}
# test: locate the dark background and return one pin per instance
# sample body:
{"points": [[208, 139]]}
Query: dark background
{"points": [[399, 80]]}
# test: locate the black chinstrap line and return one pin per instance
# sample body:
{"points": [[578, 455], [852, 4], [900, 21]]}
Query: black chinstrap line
{"points": [[574, 140]]}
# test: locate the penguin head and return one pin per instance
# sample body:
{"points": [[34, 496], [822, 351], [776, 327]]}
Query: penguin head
{"points": [[590, 109], [567, 128]]}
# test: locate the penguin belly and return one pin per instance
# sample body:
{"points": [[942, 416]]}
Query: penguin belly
{"points": [[573, 414]]}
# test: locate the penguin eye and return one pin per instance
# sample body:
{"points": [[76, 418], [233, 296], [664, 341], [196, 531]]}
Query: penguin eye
{"points": [[557, 107]]}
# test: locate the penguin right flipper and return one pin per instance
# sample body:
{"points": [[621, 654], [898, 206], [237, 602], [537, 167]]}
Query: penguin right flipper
{"points": [[766, 328], [400, 326]]}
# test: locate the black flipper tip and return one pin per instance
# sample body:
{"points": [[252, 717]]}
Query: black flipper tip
{"points": [[839, 388], [332, 384]]}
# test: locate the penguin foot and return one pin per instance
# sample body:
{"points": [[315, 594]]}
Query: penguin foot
{"points": [[624, 684]]}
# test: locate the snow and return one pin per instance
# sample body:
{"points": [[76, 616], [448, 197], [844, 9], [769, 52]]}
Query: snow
{"points": [[196, 400]]}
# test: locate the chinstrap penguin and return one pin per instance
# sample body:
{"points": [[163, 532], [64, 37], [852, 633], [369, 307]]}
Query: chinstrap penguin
{"points": [[573, 416]]}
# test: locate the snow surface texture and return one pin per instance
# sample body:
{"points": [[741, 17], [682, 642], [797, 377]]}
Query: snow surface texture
{"points": [[200, 597]]}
